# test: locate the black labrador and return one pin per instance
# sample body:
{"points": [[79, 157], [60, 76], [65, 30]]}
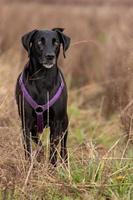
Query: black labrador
{"points": [[40, 76]]}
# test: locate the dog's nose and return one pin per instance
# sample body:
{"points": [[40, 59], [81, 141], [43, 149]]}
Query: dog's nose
{"points": [[50, 56]]}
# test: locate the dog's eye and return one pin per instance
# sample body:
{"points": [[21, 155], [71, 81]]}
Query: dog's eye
{"points": [[55, 43], [39, 43]]}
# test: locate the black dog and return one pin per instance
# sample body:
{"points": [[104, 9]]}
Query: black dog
{"points": [[42, 76]]}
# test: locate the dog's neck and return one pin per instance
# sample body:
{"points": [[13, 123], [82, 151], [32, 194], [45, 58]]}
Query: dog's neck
{"points": [[41, 76]]}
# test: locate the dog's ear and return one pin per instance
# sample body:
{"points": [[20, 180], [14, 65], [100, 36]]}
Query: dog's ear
{"points": [[27, 40], [65, 40]]}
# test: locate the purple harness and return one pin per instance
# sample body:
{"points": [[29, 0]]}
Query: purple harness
{"points": [[40, 109]]}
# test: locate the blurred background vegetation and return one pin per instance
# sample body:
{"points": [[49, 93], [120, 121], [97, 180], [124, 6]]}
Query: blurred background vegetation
{"points": [[99, 73]]}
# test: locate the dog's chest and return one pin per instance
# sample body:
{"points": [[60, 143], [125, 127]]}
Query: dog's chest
{"points": [[42, 91]]}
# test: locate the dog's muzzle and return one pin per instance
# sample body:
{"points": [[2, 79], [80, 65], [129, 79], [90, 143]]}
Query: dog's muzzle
{"points": [[49, 62]]}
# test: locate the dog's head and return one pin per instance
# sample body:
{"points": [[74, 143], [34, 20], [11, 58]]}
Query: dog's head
{"points": [[44, 45]]}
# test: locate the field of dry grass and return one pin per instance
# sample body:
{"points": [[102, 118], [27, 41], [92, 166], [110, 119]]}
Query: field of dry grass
{"points": [[79, 2], [98, 69]]}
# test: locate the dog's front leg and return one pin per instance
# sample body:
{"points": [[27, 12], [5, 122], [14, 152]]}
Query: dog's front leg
{"points": [[26, 134], [63, 151], [27, 142], [39, 145], [54, 141]]}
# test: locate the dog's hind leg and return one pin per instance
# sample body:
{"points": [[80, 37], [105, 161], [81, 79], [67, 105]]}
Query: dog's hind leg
{"points": [[35, 137]]}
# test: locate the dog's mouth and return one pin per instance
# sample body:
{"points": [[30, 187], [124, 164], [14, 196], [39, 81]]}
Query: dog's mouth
{"points": [[48, 64]]}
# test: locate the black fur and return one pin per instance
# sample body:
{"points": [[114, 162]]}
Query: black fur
{"points": [[43, 48]]}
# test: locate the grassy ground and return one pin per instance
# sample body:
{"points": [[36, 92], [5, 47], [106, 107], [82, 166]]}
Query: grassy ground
{"points": [[100, 159]]}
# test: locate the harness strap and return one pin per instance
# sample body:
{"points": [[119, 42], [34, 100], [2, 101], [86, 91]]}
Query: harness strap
{"points": [[40, 123], [40, 109]]}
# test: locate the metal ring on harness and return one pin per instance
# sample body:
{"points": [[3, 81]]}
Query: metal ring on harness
{"points": [[39, 110]]}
